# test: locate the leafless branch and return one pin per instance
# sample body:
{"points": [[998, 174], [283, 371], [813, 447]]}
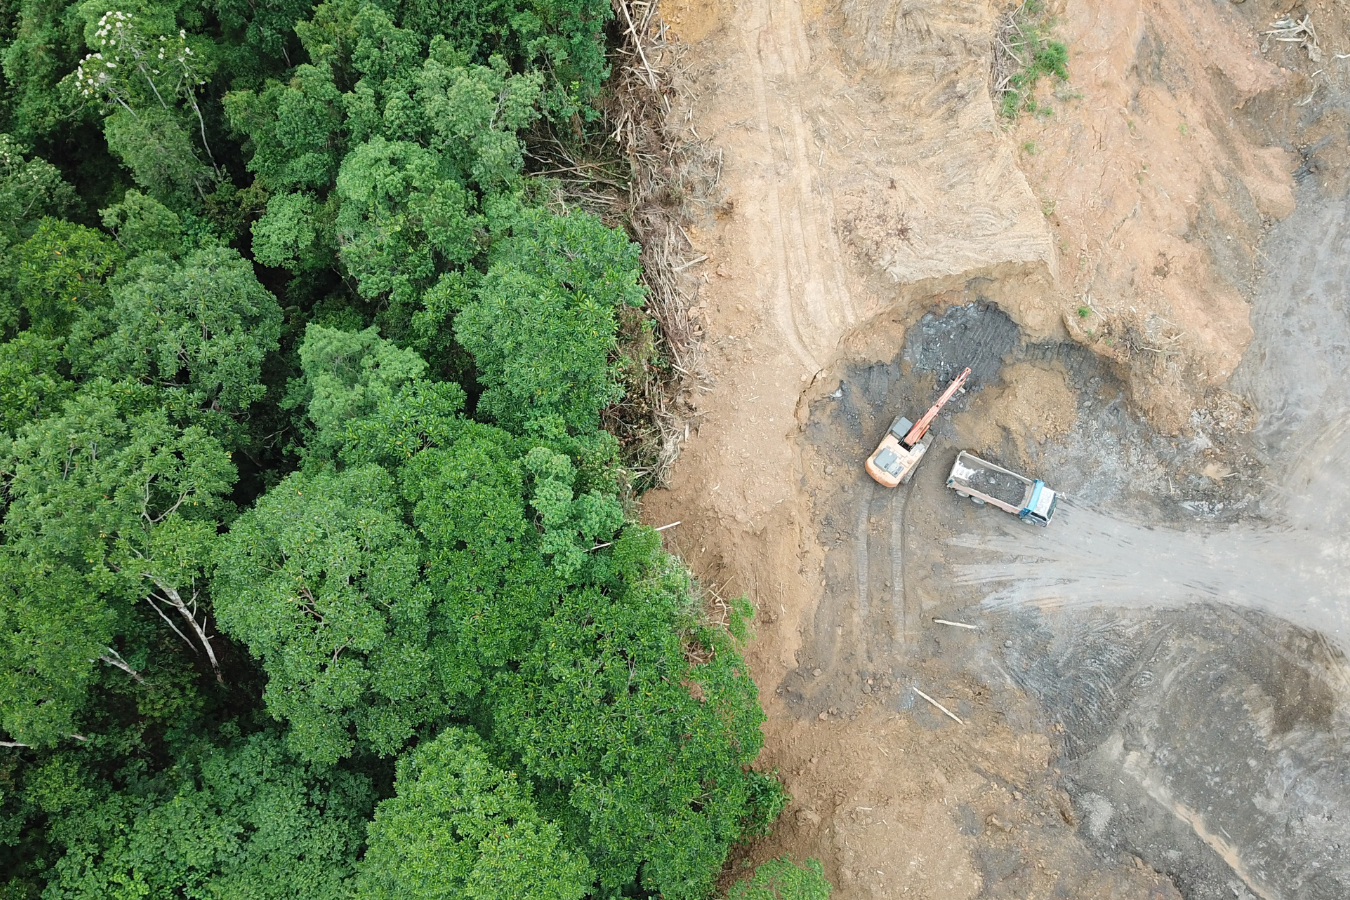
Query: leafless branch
{"points": [[170, 596], [150, 598], [1294, 31], [637, 43], [113, 658]]}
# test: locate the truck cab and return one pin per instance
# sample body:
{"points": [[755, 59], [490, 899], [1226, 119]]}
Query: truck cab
{"points": [[1040, 506]]}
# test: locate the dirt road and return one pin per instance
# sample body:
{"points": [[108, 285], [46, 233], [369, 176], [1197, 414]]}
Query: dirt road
{"points": [[884, 228]]}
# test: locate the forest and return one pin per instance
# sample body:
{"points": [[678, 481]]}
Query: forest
{"points": [[319, 576]]}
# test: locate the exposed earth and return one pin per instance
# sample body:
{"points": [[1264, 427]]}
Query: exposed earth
{"points": [[1151, 285]]}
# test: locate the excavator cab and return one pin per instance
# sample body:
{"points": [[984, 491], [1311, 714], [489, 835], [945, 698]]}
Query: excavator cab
{"points": [[893, 463], [900, 427]]}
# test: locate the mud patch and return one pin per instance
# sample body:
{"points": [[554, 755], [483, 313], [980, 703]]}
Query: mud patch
{"points": [[1203, 787], [978, 335], [1133, 693]]}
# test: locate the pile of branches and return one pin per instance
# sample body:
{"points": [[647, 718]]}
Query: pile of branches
{"points": [[652, 176], [671, 176], [1294, 31], [1009, 46]]}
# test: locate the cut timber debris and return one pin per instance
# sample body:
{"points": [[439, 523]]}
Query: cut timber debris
{"points": [[951, 715], [611, 543], [955, 624], [1293, 31], [672, 181]]}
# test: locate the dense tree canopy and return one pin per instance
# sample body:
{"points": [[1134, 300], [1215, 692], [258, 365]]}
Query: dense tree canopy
{"points": [[462, 827], [241, 820], [318, 576]]}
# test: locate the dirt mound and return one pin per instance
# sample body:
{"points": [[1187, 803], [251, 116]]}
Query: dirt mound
{"points": [[1034, 405]]}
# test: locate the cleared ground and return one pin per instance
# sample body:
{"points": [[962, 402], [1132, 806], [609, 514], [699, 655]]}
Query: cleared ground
{"points": [[1153, 701]]}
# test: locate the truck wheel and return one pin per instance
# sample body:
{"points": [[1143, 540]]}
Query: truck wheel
{"points": [[963, 495], [977, 501]]}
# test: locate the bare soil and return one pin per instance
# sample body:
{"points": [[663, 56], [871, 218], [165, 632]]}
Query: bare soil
{"points": [[1157, 728]]}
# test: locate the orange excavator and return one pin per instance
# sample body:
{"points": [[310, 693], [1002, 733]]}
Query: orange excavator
{"points": [[905, 443]]}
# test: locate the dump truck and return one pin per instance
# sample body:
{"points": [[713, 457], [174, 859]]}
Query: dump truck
{"points": [[983, 482], [905, 443]]}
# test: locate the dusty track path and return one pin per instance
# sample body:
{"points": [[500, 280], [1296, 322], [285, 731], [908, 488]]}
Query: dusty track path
{"points": [[800, 260]]}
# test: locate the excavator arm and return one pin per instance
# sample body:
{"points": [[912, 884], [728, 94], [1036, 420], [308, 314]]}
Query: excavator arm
{"points": [[921, 427]]}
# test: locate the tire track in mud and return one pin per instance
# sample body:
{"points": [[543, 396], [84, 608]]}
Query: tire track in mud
{"points": [[862, 535], [863, 624], [811, 302], [878, 545], [866, 618], [885, 622], [1295, 370], [871, 624]]}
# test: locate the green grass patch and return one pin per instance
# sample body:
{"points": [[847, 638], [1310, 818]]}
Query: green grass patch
{"points": [[1023, 54]]}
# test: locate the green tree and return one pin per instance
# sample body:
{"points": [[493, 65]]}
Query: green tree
{"points": [[565, 33], [401, 220], [31, 386], [148, 82], [295, 233], [469, 115], [781, 879], [160, 154], [422, 414], [346, 376], [541, 326], [294, 131], [244, 821], [491, 586], [321, 580], [29, 189], [42, 45], [110, 505], [267, 30], [202, 325], [643, 753], [142, 224], [461, 827], [50, 643], [571, 525], [562, 38], [59, 274]]}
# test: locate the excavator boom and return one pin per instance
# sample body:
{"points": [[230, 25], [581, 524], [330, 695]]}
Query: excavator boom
{"points": [[921, 427]]}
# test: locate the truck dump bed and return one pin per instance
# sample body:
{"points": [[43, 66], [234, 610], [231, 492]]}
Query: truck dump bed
{"points": [[996, 483]]}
